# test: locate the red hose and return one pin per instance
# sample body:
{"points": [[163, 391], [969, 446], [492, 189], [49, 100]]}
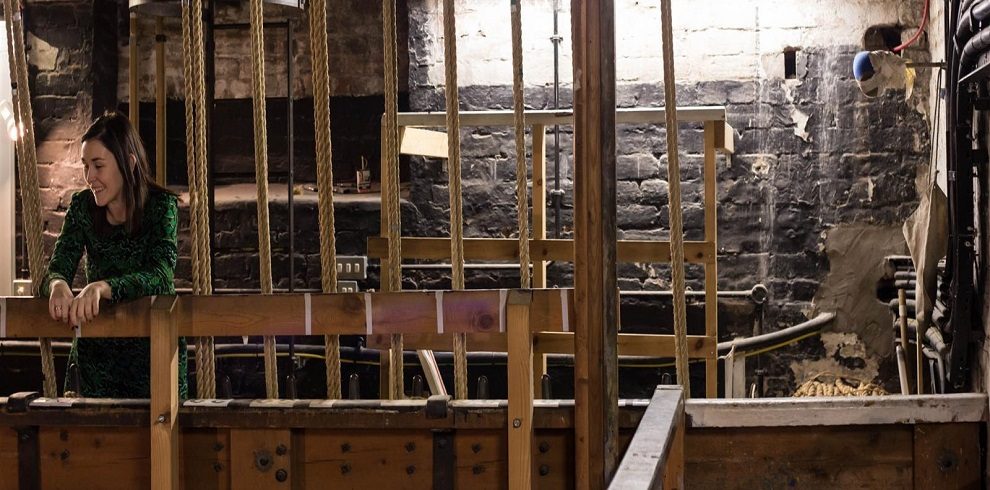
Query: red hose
{"points": [[917, 35]]}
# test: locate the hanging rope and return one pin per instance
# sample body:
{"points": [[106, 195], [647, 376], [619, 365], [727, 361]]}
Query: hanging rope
{"points": [[28, 174], [454, 165], [518, 104], [195, 113], [324, 175], [390, 184], [261, 175], [674, 181]]}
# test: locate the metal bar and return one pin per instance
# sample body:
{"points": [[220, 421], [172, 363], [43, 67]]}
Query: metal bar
{"points": [[210, 75], [241, 26], [28, 458]]}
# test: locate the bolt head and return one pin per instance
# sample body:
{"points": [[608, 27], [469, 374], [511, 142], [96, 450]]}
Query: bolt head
{"points": [[517, 423]]}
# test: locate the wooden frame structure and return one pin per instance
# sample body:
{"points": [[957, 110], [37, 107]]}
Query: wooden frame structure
{"points": [[55, 443], [416, 139]]}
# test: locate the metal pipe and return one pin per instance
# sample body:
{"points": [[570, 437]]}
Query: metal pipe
{"points": [[290, 149]]}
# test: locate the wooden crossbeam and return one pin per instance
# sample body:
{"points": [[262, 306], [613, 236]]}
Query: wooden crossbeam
{"points": [[477, 312], [636, 115], [540, 250]]}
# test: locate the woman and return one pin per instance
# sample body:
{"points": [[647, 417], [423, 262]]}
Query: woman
{"points": [[126, 224]]}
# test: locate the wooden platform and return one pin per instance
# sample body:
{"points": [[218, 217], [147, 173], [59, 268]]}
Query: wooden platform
{"points": [[893, 442]]}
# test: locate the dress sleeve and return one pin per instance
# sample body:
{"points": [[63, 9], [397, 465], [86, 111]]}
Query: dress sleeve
{"points": [[158, 271], [69, 246]]}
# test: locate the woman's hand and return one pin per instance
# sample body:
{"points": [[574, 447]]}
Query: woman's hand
{"points": [[86, 306], [59, 300]]}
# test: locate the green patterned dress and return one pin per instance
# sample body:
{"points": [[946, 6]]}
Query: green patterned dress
{"points": [[134, 265]]}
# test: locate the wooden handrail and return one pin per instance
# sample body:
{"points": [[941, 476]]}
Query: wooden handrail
{"points": [[544, 249], [412, 312], [655, 457]]}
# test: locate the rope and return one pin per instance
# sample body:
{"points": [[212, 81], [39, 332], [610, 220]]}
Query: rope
{"points": [[324, 175], [518, 103], [261, 175], [28, 175], [674, 181], [454, 164], [195, 114], [838, 387], [390, 184]]}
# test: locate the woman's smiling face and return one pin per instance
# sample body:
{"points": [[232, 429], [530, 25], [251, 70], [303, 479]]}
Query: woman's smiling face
{"points": [[101, 172]]}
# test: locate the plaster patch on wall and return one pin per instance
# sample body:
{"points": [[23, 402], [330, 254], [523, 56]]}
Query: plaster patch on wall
{"points": [[42, 54], [845, 356], [800, 124], [855, 254]]}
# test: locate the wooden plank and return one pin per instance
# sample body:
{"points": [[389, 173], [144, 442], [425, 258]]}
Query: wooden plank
{"points": [[520, 381], [414, 312], [8, 459], [797, 412], [725, 140], [636, 115], [27, 318], [646, 458], [95, 458], [375, 459], [539, 200], [711, 266], [673, 471], [260, 458], [596, 292], [866, 457], [507, 249], [205, 455], [553, 459], [164, 395], [947, 456], [422, 142], [482, 459]]}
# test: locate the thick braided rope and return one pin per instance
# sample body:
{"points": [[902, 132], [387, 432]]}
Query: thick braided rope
{"points": [[390, 183], [518, 104], [261, 175], [454, 166], [208, 373], [674, 181], [195, 115], [324, 175], [28, 174]]}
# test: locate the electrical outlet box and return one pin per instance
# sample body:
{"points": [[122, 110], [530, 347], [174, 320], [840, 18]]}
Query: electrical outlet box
{"points": [[347, 286], [353, 268], [22, 287]]}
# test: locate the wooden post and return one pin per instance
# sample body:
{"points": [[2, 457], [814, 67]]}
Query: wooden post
{"points": [[539, 233], [539, 200], [595, 360], [160, 101], [520, 428], [711, 262], [164, 395]]}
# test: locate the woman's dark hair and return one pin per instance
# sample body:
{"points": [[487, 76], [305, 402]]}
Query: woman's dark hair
{"points": [[118, 135]]}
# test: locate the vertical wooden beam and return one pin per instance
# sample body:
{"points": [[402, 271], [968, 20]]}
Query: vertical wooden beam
{"points": [[711, 265], [160, 102], [539, 200], [164, 395], [539, 233], [596, 294], [520, 341]]}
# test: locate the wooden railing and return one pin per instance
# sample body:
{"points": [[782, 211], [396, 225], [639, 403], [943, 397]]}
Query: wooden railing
{"points": [[655, 456]]}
